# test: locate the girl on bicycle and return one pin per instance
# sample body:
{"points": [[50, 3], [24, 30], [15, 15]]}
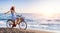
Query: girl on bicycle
{"points": [[12, 10]]}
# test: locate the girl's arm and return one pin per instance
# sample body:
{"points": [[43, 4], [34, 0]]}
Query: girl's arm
{"points": [[15, 12], [7, 12]]}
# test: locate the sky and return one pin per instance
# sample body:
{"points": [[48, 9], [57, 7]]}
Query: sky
{"points": [[44, 7], [22, 6]]}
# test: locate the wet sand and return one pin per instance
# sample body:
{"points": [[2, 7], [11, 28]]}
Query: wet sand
{"points": [[16, 30]]}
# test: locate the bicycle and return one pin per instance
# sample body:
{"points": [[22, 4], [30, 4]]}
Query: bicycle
{"points": [[22, 24]]}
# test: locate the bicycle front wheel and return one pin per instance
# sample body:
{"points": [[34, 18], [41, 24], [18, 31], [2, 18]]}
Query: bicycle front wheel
{"points": [[23, 25]]}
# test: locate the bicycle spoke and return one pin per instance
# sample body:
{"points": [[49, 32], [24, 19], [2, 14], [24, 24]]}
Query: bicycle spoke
{"points": [[23, 25]]}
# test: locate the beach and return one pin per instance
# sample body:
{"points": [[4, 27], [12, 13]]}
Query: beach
{"points": [[16, 30]]}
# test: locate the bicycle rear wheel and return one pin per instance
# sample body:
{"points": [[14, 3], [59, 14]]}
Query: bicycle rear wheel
{"points": [[9, 23]]}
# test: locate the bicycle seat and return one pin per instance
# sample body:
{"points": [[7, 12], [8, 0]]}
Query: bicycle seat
{"points": [[18, 15]]}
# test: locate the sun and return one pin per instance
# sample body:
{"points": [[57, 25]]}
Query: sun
{"points": [[49, 12]]}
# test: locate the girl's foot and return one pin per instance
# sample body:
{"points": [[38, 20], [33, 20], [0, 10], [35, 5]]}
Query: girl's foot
{"points": [[14, 25]]}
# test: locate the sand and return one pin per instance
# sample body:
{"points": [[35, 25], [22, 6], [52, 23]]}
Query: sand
{"points": [[16, 30]]}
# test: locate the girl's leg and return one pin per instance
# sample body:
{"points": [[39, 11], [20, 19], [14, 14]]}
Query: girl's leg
{"points": [[13, 23], [17, 21]]}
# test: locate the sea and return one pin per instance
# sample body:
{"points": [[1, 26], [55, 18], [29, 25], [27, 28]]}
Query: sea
{"points": [[34, 21]]}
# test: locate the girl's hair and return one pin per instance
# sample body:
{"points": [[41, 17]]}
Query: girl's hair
{"points": [[12, 8]]}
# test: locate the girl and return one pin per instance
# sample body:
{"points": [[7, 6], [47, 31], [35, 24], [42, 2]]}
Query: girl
{"points": [[12, 10]]}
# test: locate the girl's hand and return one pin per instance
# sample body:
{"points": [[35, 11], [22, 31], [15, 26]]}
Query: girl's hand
{"points": [[4, 13], [7, 12]]}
